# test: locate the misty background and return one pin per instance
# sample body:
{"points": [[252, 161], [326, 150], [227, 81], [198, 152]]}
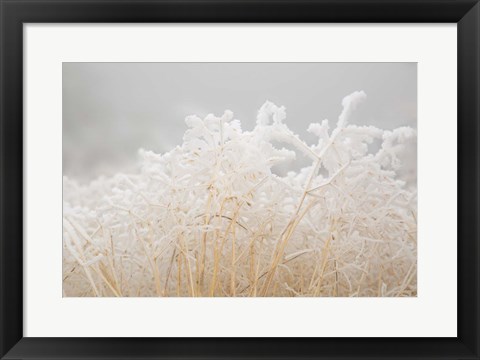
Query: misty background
{"points": [[110, 110]]}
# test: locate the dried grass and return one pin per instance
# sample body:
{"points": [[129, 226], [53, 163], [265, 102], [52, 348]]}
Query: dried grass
{"points": [[210, 218]]}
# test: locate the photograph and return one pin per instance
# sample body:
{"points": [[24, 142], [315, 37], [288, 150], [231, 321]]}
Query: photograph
{"points": [[243, 179]]}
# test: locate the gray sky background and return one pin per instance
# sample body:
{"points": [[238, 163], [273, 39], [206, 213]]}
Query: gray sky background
{"points": [[110, 110]]}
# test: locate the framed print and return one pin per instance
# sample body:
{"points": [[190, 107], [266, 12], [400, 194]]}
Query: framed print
{"points": [[239, 179]]}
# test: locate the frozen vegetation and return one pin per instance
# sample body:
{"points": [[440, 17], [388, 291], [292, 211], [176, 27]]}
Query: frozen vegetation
{"points": [[211, 218]]}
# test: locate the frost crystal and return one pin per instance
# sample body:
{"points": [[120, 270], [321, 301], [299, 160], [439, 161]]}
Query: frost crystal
{"points": [[210, 218]]}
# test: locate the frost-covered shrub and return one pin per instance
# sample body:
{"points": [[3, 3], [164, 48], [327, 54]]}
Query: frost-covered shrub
{"points": [[210, 218]]}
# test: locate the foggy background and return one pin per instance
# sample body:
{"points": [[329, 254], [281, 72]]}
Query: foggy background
{"points": [[110, 110]]}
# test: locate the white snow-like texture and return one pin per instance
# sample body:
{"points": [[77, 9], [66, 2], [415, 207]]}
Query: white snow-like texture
{"points": [[211, 218]]}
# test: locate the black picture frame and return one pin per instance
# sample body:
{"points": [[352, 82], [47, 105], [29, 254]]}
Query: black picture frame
{"points": [[14, 13]]}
